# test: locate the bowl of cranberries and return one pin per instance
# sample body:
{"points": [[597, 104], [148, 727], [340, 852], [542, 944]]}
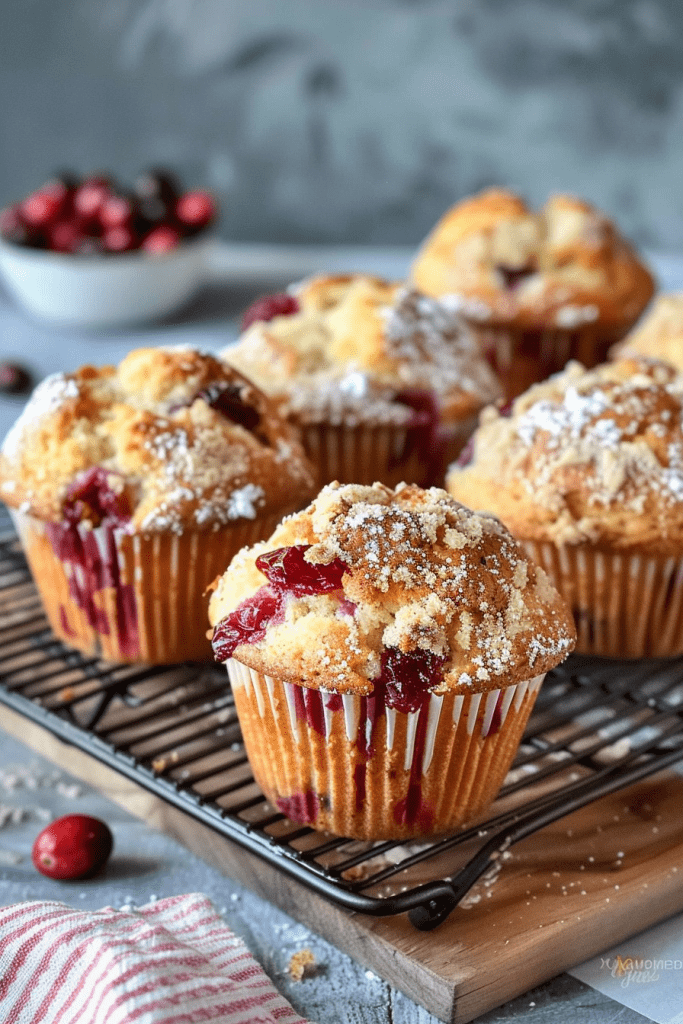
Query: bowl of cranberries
{"points": [[86, 252]]}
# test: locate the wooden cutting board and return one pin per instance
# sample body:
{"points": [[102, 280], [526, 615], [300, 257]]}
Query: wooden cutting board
{"points": [[563, 895]]}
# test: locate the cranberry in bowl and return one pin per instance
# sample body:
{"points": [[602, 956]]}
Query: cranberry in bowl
{"points": [[88, 253]]}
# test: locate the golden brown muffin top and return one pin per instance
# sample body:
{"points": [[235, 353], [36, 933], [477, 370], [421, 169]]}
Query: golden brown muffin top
{"points": [[421, 575], [356, 343], [587, 456], [188, 442], [659, 335], [565, 266]]}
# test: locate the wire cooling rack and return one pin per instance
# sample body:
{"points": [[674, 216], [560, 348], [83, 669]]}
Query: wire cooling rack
{"points": [[598, 726]]}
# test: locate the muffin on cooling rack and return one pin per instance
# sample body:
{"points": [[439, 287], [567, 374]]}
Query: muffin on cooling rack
{"points": [[385, 649], [586, 470], [659, 335], [538, 288], [383, 383], [132, 486]]}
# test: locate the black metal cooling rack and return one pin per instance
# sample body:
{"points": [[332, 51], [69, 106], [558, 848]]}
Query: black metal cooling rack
{"points": [[597, 727]]}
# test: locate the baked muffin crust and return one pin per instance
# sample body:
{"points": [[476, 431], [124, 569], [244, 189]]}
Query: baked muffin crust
{"points": [[154, 424], [587, 456], [422, 574], [356, 343], [501, 263], [659, 335]]}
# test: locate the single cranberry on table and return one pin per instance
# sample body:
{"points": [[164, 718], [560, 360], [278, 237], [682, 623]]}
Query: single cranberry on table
{"points": [[75, 846], [269, 306]]}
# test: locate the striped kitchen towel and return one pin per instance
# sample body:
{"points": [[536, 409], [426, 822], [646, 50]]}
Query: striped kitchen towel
{"points": [[170, 962]]}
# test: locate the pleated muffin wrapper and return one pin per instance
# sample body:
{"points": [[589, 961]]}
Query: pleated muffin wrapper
{"points": [[345, 764], [625, 605], [130, 597], [390, 453], [522, 357]]}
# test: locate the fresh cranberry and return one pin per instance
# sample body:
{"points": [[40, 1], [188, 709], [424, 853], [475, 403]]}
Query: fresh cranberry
{"points": [[227, 400], [74, 846], [90, 196], [247, 623], [119, 239], [505, 409], [287, 570], [13, 228], [15, 379], [40, 208], [195, 210], [407, 679], [268, 307], [92, 497], [162, 239], [117, 211], [64, 236]]}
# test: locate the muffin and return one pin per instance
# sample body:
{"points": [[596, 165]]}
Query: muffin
{"points": [[659, 335], [385, 649], [383, 383], [131, 487], [586, 470], [538, 288]]}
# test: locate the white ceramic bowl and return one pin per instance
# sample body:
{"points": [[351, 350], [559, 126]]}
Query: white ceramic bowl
{"points": [[100, 292]]}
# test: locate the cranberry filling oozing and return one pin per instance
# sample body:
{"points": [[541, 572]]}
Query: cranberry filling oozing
{"points": [[269, 306], [92, 497], [227, 400], [407, 679], [287, 570]]}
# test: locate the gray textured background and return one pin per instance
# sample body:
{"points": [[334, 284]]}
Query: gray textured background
{"points": [[350, 121]]}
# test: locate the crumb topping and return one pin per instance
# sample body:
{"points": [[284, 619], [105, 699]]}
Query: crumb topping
{"points": [[356, 343], [193, 443], [586, 456], [565, 266], [423, 573], [659, 335]]}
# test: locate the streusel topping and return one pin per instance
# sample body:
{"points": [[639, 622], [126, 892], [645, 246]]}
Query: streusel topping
{"points": [[586, 456], [191, 443], [564, 266], [355, 345], [659, 335], [421, 573]]}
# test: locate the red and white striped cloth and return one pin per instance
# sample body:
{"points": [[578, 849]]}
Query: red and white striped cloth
{"points": [[170, 962]]}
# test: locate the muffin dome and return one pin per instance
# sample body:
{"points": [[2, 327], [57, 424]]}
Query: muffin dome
{"points": [[411, 571], [659, 335], [182, 441], [564, 266]]}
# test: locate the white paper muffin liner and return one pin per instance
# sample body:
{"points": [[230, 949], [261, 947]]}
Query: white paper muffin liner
{"points": [[133, 597], [388, 453], [337, 763], [625, 605]]}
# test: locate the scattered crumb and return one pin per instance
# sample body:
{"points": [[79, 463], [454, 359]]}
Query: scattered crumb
{"points": [[301, 964]]}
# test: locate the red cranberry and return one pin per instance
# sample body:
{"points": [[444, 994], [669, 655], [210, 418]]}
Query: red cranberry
{"points": [[13, 228], [408, 678], [466, 455], [65, 236], [227, 400], [40, 208], [268, 307], [92, 497], [288, 571], [90, 196], [117, 211], [195, 210], [119, 239], [247, 624], [161, 239], [74, 846], [15, 379]]}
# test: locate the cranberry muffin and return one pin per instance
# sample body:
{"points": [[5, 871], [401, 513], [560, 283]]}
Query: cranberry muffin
{"points": [[385, 649], [131, 487], [539, 288], [586, 470], [384, 383]]}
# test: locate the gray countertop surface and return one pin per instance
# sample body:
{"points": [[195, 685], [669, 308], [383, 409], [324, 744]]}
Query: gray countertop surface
{"points": [[146, 864]]}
